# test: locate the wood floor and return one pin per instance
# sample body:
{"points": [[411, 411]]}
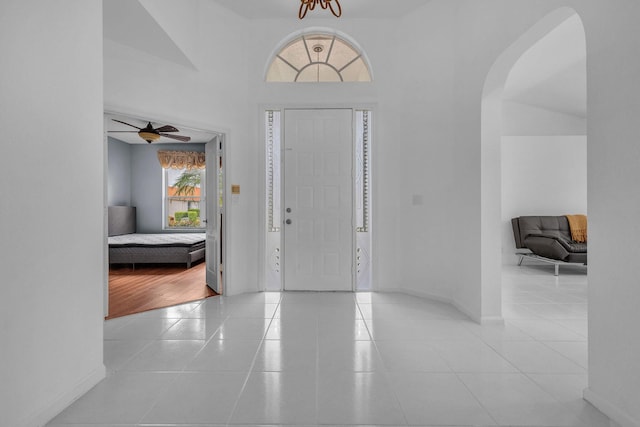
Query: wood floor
{"points": [[148, 287]]}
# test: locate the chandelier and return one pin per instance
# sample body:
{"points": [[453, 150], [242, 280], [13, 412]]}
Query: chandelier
{"points": [[307, 5]]}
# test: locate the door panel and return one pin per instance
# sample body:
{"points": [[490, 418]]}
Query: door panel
{"points": [[318, 200], [212, 206]]}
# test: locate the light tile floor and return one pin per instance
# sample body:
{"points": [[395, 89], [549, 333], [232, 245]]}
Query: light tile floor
{"points": [[310, 359]]}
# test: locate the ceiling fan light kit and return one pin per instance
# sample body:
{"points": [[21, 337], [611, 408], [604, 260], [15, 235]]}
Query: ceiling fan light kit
{"points": [[151, 134], [332, 5]]}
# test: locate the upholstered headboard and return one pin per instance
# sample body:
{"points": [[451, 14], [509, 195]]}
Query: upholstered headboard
{"points": [[122, 220]]}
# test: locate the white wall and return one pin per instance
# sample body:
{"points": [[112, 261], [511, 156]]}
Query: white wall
{"points": [[521, 119], [614, 206], [212, 97], [541, 175], [422, 134], [428, 90], [52, 245]]}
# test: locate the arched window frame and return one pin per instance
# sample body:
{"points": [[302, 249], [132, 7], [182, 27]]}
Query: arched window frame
{"points": [[304, 35]]}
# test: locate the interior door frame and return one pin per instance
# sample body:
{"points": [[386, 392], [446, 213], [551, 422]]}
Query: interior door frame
{"points": [[262, 108], [218, 211], [220, 134]]}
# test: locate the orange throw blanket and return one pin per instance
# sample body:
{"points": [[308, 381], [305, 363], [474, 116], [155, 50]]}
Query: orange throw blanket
{"points": [[578, 227]]}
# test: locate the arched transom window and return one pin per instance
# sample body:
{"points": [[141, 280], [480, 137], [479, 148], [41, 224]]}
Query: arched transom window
{"points": [[319, 58]]}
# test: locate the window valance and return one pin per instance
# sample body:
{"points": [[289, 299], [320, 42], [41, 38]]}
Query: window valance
{"points": [[182, 160]]}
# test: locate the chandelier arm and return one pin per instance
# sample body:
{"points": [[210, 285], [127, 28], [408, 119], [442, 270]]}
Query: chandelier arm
{"points": [[337, 14], [307, 5]]}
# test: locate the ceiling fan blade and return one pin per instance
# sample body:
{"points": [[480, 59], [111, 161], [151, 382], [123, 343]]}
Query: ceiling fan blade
{"points": [[178, 137], [122, 131], [167, 128], [125, 123]]}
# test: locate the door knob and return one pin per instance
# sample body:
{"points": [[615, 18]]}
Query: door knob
{"points": [[288, 222], [288, 210]]}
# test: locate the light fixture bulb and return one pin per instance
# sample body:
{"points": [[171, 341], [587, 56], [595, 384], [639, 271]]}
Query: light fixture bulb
{"points": [[149, 136]]}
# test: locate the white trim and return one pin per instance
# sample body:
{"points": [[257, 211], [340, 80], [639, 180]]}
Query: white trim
{"points": [[420, 294], [619, 417], [186, 122], [491, 320], [105, 218], [64, 400], [221, 132], [224, 230], [495, 320]]}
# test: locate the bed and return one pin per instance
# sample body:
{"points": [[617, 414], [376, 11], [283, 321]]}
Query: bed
{"points": [[128, 247]]}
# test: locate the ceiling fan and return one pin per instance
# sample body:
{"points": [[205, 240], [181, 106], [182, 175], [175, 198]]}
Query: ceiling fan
{"points": [[151, 134]]}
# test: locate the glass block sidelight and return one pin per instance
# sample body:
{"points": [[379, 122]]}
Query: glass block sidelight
{"points": [[363, 199], [273, 273]]}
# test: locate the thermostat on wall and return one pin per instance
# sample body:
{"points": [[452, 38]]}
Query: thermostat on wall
{"points": [[235, 189]]}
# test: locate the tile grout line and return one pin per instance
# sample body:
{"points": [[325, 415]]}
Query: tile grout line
{"points": [[253, 362], [385, 372]]}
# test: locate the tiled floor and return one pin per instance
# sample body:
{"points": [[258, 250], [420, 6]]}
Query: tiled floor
{"points": [[350, 359]]}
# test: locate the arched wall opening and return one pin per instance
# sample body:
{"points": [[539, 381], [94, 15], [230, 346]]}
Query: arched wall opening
{"points": [[493, 126]]}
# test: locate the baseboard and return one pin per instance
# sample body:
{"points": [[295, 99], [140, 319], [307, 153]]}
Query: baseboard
{"points": [[421, 294], [619, 417], [63, 401], [497, 320], [466, 312], [434, 297], [492, 320]]}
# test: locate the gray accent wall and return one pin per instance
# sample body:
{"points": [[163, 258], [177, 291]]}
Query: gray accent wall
{"points": [[119, 176]]}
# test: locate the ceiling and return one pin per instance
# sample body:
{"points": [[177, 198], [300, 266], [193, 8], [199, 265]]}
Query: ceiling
{"points": [[350, 8], [131, 135], [550, 75], [130, 23]]}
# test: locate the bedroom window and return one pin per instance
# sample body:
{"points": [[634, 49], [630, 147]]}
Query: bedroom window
{"points": [[184, 198]]}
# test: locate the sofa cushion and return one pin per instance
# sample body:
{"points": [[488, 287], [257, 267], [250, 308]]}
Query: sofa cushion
{"points": [[549, 225], [549, 237], [566, 243]]}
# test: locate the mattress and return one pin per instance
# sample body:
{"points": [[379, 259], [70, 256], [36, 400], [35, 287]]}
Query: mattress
{"points": [[157, 240], [157, 248]]}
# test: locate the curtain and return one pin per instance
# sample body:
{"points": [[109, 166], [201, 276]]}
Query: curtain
{"points": [[181, 160]]}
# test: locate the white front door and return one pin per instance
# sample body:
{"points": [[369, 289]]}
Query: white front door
{"points": [[318, 200]]}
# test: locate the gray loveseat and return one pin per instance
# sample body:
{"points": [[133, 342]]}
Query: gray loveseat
{"points": [[549, 240]]}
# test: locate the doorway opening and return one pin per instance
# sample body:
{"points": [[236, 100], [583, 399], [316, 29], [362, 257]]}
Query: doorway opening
{"points": [[175, 190], [317, 205], [534, 101]]}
